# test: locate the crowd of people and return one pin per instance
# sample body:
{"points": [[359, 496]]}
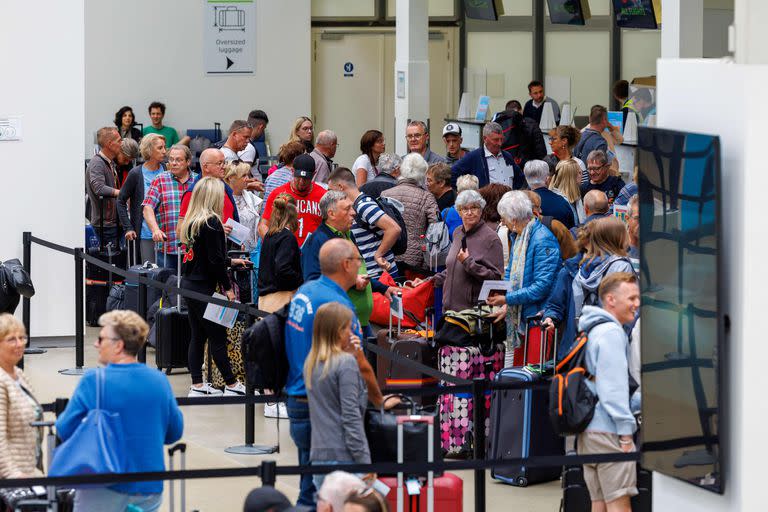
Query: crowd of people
{"points": [[323, 236]]}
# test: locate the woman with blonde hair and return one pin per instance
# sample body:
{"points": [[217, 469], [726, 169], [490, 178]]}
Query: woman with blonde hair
{"points": [[20, 447], [605, 252], [237, 176], [204, 268], [567, 183], [336, 391], [280, 259], [302, 131]]}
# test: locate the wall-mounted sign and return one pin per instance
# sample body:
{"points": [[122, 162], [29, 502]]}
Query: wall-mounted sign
{"points": [[229, 37], [349, 69]]}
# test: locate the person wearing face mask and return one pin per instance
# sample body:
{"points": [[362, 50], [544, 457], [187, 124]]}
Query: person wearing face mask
{"points": [[139, 180]]}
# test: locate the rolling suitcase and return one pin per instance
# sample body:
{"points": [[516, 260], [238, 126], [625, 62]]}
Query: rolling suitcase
{"points": [[530, 352], [146, 269], [441, 494], [457, 410], [178, 447], [392, 375], [520, 425], [172, 333]]}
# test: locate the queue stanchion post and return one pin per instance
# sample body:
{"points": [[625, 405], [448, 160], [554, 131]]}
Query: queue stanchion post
{"points": [[268, 473], [478, 394], [250, 448], [141, 305], [26, 312], [79, 368]]}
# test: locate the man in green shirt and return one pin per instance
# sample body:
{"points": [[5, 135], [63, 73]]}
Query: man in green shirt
{"points": [[156, 114]]}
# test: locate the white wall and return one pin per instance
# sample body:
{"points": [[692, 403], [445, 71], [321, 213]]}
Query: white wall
{"points": [[146, 50], [736, 92], [42, 176]]}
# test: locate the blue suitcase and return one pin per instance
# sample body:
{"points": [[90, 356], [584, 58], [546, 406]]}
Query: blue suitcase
{"points": [[520, 427]]}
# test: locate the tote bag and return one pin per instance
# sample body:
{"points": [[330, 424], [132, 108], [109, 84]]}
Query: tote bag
{"points": [[97, 445]]}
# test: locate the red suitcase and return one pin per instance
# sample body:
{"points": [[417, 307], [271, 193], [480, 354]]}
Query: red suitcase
{"points": [[438, 494], [534, 344]]}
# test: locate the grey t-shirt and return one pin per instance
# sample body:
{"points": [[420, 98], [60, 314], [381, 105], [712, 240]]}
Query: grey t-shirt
{"points": [[337, 404]]}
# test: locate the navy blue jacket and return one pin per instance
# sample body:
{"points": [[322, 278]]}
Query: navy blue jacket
{"points": [[590, 140], [310, 255], [555, 205], [475, 163], [560, 307]]}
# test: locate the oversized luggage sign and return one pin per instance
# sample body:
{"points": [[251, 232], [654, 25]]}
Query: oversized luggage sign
{"points": [[229, 37]]}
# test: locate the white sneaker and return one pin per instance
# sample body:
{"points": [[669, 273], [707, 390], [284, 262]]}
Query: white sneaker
{"points": [[275, 410], [237, 390], [203, 391]]}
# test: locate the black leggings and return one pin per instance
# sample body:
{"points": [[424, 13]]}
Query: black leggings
{"points": [[202, 329]]}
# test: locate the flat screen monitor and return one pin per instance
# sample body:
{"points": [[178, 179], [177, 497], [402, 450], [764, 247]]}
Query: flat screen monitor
{"points": [[682, 318], [566, 12], [635, 14], [481, 10]]}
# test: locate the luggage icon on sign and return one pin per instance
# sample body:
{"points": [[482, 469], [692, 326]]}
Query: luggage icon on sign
{"points": [[229, 18]]}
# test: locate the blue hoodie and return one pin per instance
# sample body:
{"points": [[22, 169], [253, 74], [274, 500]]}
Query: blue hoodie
{"points": [[607, 360]]}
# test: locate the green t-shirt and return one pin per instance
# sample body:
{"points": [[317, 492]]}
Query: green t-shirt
{"points": [[361, 299], [170, 134]]}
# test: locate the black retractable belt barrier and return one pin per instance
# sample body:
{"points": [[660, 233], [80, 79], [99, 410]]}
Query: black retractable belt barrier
{"points": [[478, 394]]}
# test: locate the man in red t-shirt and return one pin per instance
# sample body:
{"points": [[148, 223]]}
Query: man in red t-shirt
{"points": [[307, 195]]}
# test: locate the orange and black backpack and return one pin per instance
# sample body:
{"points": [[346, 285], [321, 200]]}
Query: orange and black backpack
{"points": [[571, 402]]}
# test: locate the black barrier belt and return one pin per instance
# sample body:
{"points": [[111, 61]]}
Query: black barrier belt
{"points": [[408, 363], [414, 468], [174, 290], [51, 245]]}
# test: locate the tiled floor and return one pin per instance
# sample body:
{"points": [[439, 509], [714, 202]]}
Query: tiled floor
{"points": [[208, 430]]}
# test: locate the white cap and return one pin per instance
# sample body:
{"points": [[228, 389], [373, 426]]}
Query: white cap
{"points": [[452, 129]]}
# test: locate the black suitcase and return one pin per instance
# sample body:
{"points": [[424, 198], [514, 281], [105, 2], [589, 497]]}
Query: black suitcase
{"points": [[520, 427], [576, 495], [151, 271], [172, 334], [98, 282], [392, 376]]}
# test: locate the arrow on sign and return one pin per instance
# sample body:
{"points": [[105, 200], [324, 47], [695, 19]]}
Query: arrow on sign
{"points": [[229, 63]]}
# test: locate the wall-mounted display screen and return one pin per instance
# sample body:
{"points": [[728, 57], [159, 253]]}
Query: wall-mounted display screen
{"points": [[682, 321], [566, 12], [635, 14]]}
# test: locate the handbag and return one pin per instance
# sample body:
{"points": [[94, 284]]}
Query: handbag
{"points": [[18, 277], [381, 431], [97, 445], [416, 300]]}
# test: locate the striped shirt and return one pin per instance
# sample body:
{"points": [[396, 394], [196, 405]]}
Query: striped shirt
{"points": [[164, 196], [369, 237]]}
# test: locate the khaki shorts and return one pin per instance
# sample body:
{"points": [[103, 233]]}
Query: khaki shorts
{"points": [[611, 480]]}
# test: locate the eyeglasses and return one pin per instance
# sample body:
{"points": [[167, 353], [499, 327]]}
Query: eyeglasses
{"points": [[101, 339], [177, 160], [217, 164], [468, 209], [16, 339], [595, 169], [414, 136]]}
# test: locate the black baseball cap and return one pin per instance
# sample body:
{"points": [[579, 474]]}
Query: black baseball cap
{"points": [[266, 498], [303, 166]]}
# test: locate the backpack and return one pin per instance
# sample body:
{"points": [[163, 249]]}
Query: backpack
{"points": [[590, 296], [571, 402], [266, 363], [438, 244], [393, 208]]}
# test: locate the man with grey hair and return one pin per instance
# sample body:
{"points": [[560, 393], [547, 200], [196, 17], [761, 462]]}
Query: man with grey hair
{"points": [[600, 177], [101, 185], [552, 204], [336, 488], [417, 137], [489, 162], [389, 172], [338, 215], [419, 211], [325, 149], [237, 140]]}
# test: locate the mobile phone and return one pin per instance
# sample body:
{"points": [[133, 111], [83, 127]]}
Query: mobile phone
{"points": [[464, 243]]}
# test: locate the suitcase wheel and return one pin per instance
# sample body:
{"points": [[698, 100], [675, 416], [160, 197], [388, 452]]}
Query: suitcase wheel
{"points": [[522, 481]]}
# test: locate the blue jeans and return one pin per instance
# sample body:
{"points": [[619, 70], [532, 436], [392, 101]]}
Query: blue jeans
{"points": [[168, 260], [320, 477], [107, 500], [301, 433]]}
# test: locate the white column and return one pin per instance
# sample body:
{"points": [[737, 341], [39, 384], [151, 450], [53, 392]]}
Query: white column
{"points": [[751, 36], [682, 29], [411, 67]]}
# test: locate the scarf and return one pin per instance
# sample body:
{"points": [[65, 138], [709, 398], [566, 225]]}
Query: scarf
{"points": [[516, 275]]}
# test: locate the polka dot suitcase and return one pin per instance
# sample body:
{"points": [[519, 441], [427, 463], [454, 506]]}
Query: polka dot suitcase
{"points": [[456, 410]]}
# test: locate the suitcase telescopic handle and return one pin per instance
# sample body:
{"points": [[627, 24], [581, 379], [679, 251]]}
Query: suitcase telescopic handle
{"points": [[178, 447], [415, 418]]}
